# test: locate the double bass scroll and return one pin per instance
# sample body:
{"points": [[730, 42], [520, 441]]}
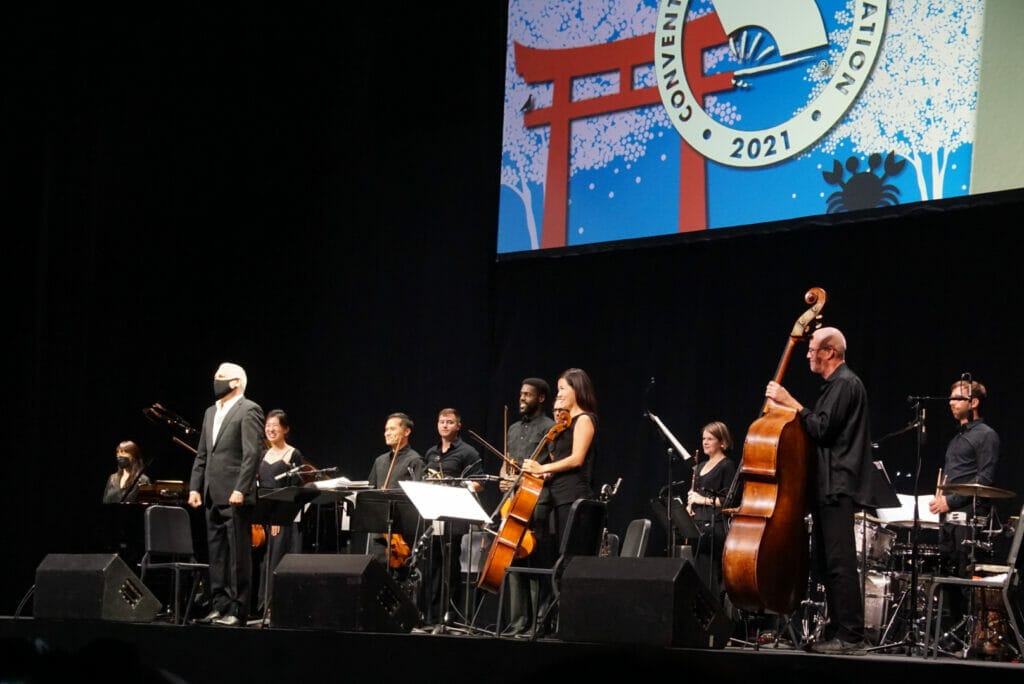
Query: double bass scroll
{"points": [[765, 559]]}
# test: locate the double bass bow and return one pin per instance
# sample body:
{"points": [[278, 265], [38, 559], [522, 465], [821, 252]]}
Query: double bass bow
{"points": [[765, 559], [515, 521]]}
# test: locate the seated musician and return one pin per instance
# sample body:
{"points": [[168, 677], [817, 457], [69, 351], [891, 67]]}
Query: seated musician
{"points": [[123, 484], [399, 462], [971, 458], [450, 460]]}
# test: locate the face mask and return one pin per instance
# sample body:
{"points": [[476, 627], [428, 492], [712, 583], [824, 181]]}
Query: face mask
{"points": [[123, 462], [221, 387]]}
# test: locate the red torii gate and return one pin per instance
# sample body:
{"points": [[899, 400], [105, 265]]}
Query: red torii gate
{"points": [[561, 66]]}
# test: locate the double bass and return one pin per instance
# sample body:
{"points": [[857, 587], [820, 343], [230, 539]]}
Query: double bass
{"points": [[515, 521], [765, 559]]}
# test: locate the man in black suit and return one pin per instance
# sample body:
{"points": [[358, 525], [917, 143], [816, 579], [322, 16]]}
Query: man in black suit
{"points": [[224, 480]]}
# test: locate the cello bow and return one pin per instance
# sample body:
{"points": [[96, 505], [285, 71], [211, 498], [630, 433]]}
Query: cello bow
{"points": [[505, 547]]}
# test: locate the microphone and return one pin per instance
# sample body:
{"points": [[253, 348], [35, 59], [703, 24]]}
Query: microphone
{"points": [[465, 471], [924, 432], [288, 473]]}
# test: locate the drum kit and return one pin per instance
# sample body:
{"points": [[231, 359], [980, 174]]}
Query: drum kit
{"points": [[887, 566]]}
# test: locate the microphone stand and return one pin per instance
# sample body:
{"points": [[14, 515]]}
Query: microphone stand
{"points": [[672, 443], [912, 640]]}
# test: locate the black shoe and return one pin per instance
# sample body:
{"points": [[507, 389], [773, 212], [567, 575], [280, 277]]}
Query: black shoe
{"points": [[840, 647], [228, 621], [210, 617]]}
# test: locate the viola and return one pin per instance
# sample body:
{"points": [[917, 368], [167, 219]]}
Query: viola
{"points": [[515, 521], [765, 558]]}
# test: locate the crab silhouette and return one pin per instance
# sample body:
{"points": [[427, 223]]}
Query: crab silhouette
{"points": [[864, 189]]}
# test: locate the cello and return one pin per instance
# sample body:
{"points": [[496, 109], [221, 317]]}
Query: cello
{"points": [[515, 521], [765, 559]]}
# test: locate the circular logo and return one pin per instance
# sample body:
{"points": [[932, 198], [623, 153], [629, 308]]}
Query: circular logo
{"points": [[770, 66]]}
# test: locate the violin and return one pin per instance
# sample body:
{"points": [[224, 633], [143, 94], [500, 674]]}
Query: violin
{"points": [[515, 521], [307, 473], [259, 536], [400, 551]]}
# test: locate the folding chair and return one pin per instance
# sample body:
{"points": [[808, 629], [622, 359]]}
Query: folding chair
{"points": [[169, 547]]}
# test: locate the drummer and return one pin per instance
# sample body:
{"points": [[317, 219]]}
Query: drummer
{"points": [[971, 459]]}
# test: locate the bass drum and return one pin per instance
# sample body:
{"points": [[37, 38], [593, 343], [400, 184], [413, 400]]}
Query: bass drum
{"points": [[878, 601]]}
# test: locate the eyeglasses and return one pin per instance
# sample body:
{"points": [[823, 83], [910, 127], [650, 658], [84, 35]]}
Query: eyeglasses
{"points": [[812, 350]]}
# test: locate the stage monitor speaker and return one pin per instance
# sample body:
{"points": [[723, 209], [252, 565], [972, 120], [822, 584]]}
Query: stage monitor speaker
{"points": [[347, 592], [651, 600], [96, 586]]}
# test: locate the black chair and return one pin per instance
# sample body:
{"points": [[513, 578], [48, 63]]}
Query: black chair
{"points": [[634, 541], [1001, 579], [582, 537], [169, 547]]}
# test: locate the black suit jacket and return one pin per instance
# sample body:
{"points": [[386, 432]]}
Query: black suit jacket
{"points": [[230, 461]]}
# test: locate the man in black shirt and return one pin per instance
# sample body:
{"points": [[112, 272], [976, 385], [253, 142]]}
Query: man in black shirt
{"points": [[838, 424], [971, 458], [524, 436], [453, 461]]}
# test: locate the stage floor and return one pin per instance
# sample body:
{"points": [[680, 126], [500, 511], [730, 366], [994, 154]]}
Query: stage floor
{"points": [[57, 650]]}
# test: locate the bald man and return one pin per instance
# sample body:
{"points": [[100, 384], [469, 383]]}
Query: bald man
{"points": [[839, 427], [224, 482]]}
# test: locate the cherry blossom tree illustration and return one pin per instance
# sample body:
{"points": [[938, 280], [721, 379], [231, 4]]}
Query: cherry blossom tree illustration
{"points": [[596, 141], [921, 99]]}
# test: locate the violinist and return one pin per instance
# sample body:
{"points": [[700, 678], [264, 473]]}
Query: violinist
{"points": [[277, 470], [567, 469], [524, 435], [399, 462], [838, 425], [453, 461], [713, 476]]}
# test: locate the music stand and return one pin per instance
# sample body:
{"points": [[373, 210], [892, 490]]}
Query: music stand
{"points": [[672, 449], [276, 507], [384, 511], [444, 503]]}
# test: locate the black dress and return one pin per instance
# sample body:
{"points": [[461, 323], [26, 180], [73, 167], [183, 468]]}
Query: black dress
{"points": [[711, 523], [289, 539]]}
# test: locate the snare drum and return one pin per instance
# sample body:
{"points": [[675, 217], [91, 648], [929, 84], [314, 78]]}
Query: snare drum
{"points": [[876, 539]]}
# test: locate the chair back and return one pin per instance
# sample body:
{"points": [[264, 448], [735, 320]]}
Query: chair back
{"points": [[169, 532], [634, 543], [1014, 554], [584, 529]]}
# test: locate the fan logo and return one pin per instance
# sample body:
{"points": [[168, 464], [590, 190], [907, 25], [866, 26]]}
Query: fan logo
{"points": [[769, 65]]}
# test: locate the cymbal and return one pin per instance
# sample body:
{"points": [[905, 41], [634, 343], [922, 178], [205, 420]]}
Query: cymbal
{"points": [[861, 515], [972, 489]]}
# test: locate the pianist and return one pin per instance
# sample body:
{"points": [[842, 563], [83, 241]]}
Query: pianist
{"points": [[123, 484]]}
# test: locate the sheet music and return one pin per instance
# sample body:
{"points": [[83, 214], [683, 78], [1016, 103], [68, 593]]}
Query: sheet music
{"points": [[905, 513], [437, 501], [342, 483]]}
